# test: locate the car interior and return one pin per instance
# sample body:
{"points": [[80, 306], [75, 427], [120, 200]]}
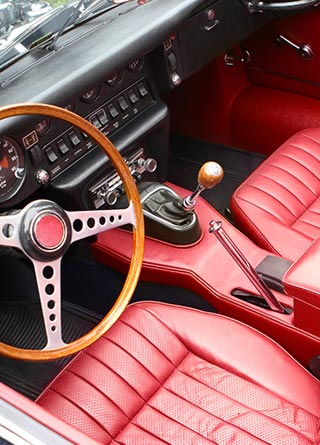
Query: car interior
{"points": [[159, 226]]}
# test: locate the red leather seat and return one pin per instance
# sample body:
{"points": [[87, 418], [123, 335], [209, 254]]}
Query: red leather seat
{"points": [[278, 206], [175, 375]]}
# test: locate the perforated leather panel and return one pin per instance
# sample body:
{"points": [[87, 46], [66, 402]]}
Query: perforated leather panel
{"points": [[172, 375]]}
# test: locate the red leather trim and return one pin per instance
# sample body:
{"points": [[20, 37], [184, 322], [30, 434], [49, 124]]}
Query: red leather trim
{"points": [[302, 280], [44, 417], [164, 372], [200, 107], [208, 270], [279, 66], [261, 119], [278, 206], [233, 351], [305, 311]]}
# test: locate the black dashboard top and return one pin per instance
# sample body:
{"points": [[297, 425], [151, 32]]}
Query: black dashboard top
{"points": [[80, 72], [91, 52]]}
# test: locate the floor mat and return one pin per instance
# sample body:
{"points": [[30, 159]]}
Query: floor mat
{"points": [[187, 155], [21, 325]]}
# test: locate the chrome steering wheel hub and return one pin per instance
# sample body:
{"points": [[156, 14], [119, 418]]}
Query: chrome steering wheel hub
{"points": [[44, 230]]}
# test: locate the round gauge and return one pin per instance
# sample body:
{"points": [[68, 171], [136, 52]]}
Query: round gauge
{"points": [[91, 95], [136, 65], [43, 126], [113, 80], [12, 169]]}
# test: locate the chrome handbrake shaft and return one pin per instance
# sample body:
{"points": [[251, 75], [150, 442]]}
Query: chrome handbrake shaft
{"points": [[216, 228]]}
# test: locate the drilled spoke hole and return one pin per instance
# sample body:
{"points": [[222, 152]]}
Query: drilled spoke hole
{"points": [[77, 225], [51, 304], [52, 317], [91, 223], [48, 272], [8, 230], [102, 220], [49, 289], [111, 219]]}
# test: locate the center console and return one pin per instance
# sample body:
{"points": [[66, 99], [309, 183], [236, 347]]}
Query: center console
{"points": [[205, 266]]}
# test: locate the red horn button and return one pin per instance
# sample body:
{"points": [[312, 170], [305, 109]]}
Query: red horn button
{"points": [[49, 231]]}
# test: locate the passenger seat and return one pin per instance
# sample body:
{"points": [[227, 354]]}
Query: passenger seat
{"points": [[278, 206]]}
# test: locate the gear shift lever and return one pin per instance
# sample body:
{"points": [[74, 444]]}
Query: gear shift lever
{"points": [[170, 218], [210, 174]]}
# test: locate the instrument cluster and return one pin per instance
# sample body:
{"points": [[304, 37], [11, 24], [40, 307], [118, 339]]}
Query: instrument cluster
{"points": [[51, 147]]}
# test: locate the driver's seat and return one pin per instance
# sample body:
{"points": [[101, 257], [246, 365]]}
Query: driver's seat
{"points": [[174, 375]]}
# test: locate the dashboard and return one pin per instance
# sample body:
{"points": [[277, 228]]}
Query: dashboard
{"points": [[112, 71]]}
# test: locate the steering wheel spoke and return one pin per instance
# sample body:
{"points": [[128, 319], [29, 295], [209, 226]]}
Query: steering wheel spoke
{"points": [[88, 223], [49, 287]]}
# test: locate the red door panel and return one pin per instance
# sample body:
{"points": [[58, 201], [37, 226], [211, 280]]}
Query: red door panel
{"points": [[284, 88], [279, 65]]}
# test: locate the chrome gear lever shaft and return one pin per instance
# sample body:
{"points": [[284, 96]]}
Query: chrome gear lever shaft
{"points": [[210, 174], [216, 228]]}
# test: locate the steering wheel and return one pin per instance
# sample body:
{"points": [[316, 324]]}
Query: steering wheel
{"points": [[44, 232]]}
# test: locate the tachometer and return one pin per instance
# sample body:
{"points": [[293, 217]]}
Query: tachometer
{"points": [[12, 168]]}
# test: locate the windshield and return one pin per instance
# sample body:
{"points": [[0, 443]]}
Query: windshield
{"points": [[25, 24], [17, 15]]}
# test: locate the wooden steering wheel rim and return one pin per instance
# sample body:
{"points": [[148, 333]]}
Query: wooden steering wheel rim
{"points": [[137, 241]]}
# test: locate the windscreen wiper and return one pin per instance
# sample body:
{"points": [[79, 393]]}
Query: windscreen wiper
{"points": [[95, 7], [48, 29], [69, 21], [38, 33], [82, 13], [99, 6]]}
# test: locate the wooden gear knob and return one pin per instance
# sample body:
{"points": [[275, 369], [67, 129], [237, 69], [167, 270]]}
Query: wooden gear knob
{"points": [[210, 174]]}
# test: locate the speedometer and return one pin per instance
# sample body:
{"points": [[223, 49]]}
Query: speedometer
{"points": [[12, 168]]}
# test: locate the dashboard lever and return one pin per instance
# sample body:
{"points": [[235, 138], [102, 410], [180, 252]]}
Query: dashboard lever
{"points": [[303, 50], [290, 5], [209, 28]]}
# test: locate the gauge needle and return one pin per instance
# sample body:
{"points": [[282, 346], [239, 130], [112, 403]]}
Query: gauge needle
{"points": [[4, 162]]}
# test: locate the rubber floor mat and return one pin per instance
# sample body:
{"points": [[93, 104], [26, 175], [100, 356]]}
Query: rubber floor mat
{"points": [[22, 326], [187, 155]]}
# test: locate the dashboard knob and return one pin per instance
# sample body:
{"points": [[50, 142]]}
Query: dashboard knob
{"points": [[43, 176], [111, 197], [150, 165], [176, 79]]}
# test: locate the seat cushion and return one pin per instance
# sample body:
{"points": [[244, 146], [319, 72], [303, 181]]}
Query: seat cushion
{"points": [[175, 375], [278, 206]]}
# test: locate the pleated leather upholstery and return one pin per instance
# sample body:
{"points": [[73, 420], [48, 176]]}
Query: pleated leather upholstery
{"points": [[278, 206], [171, 375]]}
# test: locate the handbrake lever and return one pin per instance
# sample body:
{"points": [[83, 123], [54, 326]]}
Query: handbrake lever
{"points": [[216, 228]]}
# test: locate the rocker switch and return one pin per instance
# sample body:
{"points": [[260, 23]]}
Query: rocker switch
{"points": [[63, 148], [133, 97], [123, 103], [142, 90], [113, 111]]}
